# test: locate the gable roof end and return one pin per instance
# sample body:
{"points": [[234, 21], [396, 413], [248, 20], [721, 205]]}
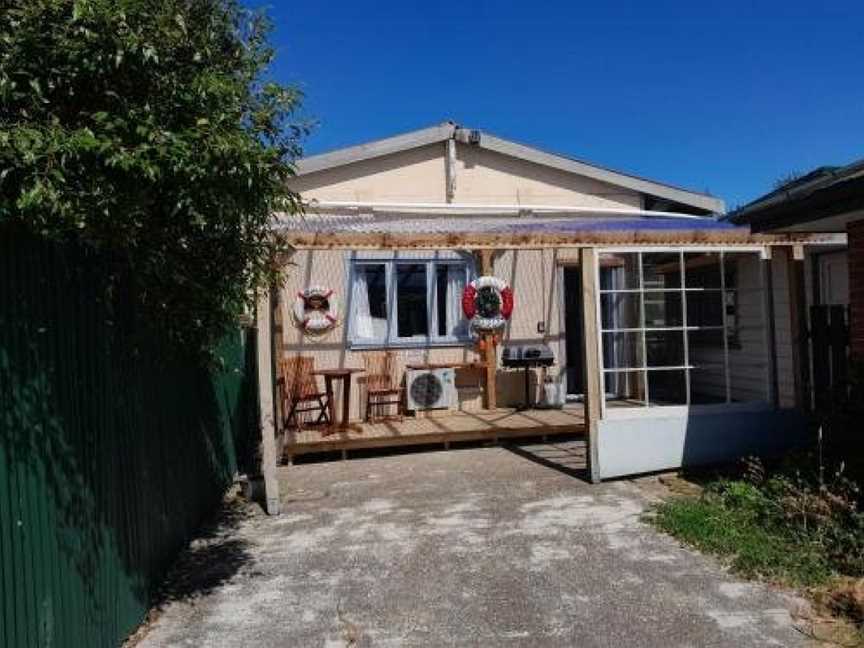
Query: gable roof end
{"points": [[375, 148], [450, 130]]}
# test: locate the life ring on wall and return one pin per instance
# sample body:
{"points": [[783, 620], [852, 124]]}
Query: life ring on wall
{"points": [[488, 303], [315, 310]]}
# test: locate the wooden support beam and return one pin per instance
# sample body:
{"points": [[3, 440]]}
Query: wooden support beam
{"points": [[277, 327], [330, 240], [770, 330], [490, 353], [266, 408], [591, 353], [798, 324]]}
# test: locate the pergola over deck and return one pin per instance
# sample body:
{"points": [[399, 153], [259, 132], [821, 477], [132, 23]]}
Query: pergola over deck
{"points": [[364, 226], [579, 233]]}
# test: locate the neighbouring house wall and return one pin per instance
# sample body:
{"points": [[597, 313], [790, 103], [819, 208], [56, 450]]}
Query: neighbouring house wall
{"points": [[814, 256], [419, 175], [856, 287]]}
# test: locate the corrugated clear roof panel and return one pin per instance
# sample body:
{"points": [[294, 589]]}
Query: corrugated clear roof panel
{"points": [[410, 223]]}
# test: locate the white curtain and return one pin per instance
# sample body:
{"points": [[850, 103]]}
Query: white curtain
{"points": [[363, 325], [456, 323]]}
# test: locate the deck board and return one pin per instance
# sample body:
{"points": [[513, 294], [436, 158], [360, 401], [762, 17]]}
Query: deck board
{"points": [[462, 426]]}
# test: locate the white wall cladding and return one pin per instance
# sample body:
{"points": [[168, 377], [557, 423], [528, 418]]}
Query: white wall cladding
{"points": [[680, 438]]}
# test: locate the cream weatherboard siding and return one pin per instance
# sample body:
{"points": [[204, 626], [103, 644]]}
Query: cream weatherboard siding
{"points": [[488, 177], [415, 175], [482, 177]]}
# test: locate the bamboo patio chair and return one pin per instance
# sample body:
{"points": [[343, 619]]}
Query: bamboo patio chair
{"points": [[382, 386], [301, 399]]}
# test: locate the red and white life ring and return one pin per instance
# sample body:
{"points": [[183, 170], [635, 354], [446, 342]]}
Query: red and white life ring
{"points": [[488, 321], [315, 310]]}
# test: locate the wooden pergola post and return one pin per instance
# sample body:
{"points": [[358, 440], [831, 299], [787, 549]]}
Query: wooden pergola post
{"points": [[266, 406], [591, 354], [798, 322], [490, 354]]}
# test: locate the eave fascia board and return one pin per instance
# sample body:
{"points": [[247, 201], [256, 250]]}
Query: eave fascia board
{"points": [[377, 148], [537, 156]]}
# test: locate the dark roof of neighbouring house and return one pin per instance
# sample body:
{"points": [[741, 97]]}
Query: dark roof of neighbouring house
{"points": [[825, 192], [451, 130]]}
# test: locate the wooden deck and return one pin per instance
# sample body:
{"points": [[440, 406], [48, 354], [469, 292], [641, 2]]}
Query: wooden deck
{"points": [[438, 429]]}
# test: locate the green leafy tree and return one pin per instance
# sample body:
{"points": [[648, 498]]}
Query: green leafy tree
{"points": [[148, 130]]}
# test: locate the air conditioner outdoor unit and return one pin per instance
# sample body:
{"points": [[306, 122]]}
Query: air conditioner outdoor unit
{"points": [[427, 389]]}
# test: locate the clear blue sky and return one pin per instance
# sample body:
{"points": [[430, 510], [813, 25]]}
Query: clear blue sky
{"points": [[723, 96]]}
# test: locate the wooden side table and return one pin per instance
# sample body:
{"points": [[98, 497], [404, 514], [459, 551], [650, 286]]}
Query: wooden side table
{"points": [[344, 375]]}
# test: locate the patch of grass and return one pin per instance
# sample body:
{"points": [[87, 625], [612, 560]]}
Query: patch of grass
{"points": [[786, 524], [751, 549]]}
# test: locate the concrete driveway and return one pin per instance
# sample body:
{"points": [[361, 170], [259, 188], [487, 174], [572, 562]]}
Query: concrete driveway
{"points": [[479, 547]]}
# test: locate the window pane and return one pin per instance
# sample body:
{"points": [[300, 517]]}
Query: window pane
{"points": [[625, 388], [667, 387], [702, 269], [449, 284], [661, 270], [369, 302], [412, 318], [622, 351], [708, 376], [662, 309], [619, 271], [705, 308], [665, 348], [620, 310]]}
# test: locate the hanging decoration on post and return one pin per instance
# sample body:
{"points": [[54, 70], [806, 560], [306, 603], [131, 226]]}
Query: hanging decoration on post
{"points": [[488, 303], [315, 310]]}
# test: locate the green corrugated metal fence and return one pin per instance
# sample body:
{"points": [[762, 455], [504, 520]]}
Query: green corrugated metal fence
{"points": [[110, 454]]}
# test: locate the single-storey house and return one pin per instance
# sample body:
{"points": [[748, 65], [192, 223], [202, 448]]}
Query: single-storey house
{"points": [[663, 333], [826, 200]]}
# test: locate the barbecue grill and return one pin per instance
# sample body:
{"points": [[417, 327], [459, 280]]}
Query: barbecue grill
{"points": [[527, 356]]}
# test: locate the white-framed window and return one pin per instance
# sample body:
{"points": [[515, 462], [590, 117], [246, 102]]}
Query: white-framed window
{"points": [[682, 327], [407, 302]]}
